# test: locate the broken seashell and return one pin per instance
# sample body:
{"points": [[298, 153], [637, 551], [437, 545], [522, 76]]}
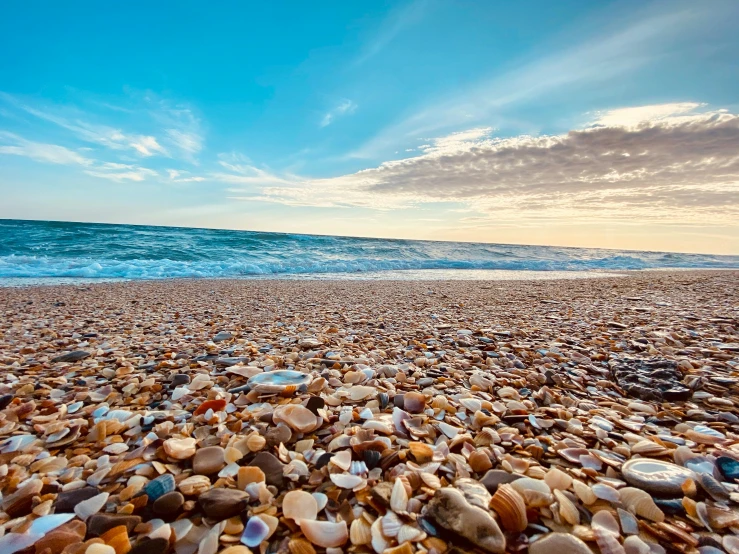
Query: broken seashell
{"points": [[640, 503], [325, 533], [298, 505], [511, 508]]}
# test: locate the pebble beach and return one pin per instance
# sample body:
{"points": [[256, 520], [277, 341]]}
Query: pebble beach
{"points": [[387, 417]]}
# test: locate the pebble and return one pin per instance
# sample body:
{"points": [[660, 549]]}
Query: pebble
{"points": [[66, 501], [150, 546], [209, 460], [271, 466], [220, 504], [99, 524], [169, 504]]}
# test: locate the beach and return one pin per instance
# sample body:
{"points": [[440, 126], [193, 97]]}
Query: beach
{"points": [[581, 415]]}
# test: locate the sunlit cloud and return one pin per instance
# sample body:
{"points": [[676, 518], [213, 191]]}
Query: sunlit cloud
{"points": [[15, 145]]}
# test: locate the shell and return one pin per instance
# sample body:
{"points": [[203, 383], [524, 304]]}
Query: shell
{"points": [[604, 492], [360, 532], [399, 497], [342, 460], [640, 503], [325, 533], [159, 486], [194, 485], [649, 448], [629, 524], [348, 481], [584, 492], [511, 508], [634, 545], [557, 479], [249, 474], [567, 510], [180, 449], [409, 533], [299, 505], [91, 506], [535, 492], [297, 417], [255, 532], [391, 524], [255, 442], [712, 487], [605, 529], [300, 546], [421, 451]]}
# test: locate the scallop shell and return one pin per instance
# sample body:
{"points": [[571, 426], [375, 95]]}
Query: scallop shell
{"points": [[567, 510], [360, 532], [399, 497], [511, 508], [299, 505], [300, 546], [255, 442], [391, 524], [194, 485], [648, 448], [640, 503], [535, 492], [159, 486], [325, 533]]}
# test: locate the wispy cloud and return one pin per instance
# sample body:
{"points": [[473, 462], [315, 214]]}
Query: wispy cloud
{"points": [[15, 145], [667, 164], [645, 39], [121, 172], [394, 24], [345, 107]]}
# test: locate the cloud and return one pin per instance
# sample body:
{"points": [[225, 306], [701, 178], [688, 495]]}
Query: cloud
{"points": [[651, 34], [345, 107], [665, 163], [394, 24], [181, 176], [147, 146], [16, 145], [121, 172]]}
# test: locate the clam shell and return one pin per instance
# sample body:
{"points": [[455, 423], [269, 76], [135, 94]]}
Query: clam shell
{"points": [[640, 503], [299, 505], [648, 448], [194, 485], [712, 487], [535, 492], [325, 533], [557, 479], [567, 510], [629, 524], [300, 546], [360, 532], [280, 381], [511, 508], [348, 481], [584, 492], [297, 417]]}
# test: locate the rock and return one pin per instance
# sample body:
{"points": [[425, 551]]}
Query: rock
{"points": [[220, 504], [158, 545], [414, 402], [75, 356], [5, 400], [277, 434], [729, 467], [496, 477], [449, 509], [399, 401], [180, 379], [559, 543], [315, 403], [271, 466], [223, 335], [209, 460], [66, 501], [169, 504], [100, 523], [656, 476]]}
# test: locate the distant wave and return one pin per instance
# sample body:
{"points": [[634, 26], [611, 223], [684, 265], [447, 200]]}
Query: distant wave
{"points": [[88, 251]]}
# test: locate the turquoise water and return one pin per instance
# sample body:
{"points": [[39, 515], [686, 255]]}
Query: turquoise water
{"points": [[87, 251]]}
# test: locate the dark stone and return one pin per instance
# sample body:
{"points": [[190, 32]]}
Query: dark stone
{"points": [[5, 400], [220, 504], [272, 468], [66, 501], [150, 546], [655, 379], [399, 401], [371, 458], [323, 459], [729, 467], [315, 403], [277, 434], [100, 523], [180, 379], [495, 477], [75, 356], [169, 504]]}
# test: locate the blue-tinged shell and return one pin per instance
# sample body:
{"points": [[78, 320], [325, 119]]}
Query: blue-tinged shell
{"points": [[283, 380], [159, 486], [729, 467], [255, 532]]}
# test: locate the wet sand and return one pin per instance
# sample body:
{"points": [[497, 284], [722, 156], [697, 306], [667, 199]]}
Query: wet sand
{"points": [[523, 406]]}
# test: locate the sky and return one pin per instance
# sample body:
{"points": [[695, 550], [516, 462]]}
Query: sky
{"points": [[576, 123]]}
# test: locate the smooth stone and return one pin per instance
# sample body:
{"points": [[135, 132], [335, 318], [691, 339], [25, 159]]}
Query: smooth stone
{"points": [[209, 460], [5, 400], [656, 476], [180, 379], [559, 543], [220, 504], [449, 509], [169, 504], [729, 467], [66, 501], [315, 403], [100, 523], [399, 401], [223, 335], [414, 402], [495, 477], [75, 356], [271, 466], [278, 381], [158, 545]]}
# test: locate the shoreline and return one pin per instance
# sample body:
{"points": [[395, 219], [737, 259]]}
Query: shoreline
{"points": [[525, 404]]}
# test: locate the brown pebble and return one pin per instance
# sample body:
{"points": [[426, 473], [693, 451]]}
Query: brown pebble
{"points": [[169, 504], [209, 460]]}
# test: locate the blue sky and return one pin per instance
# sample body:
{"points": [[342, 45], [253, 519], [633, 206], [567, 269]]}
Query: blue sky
{"points": [[570, 122]]}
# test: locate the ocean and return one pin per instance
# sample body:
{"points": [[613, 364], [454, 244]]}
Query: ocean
{"points": [[50, 251]]}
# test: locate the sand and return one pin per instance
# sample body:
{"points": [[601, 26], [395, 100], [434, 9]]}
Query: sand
{"points": [[413, 389]]}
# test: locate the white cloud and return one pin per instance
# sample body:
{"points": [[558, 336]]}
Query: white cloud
{"points": [[345, 107], [15, 145], [678, 166], [121, 172], [189, 142], [182, 176], [147, 146]]}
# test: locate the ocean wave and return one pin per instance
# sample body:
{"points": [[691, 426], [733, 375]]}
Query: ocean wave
{"points": [[91, 251]]}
